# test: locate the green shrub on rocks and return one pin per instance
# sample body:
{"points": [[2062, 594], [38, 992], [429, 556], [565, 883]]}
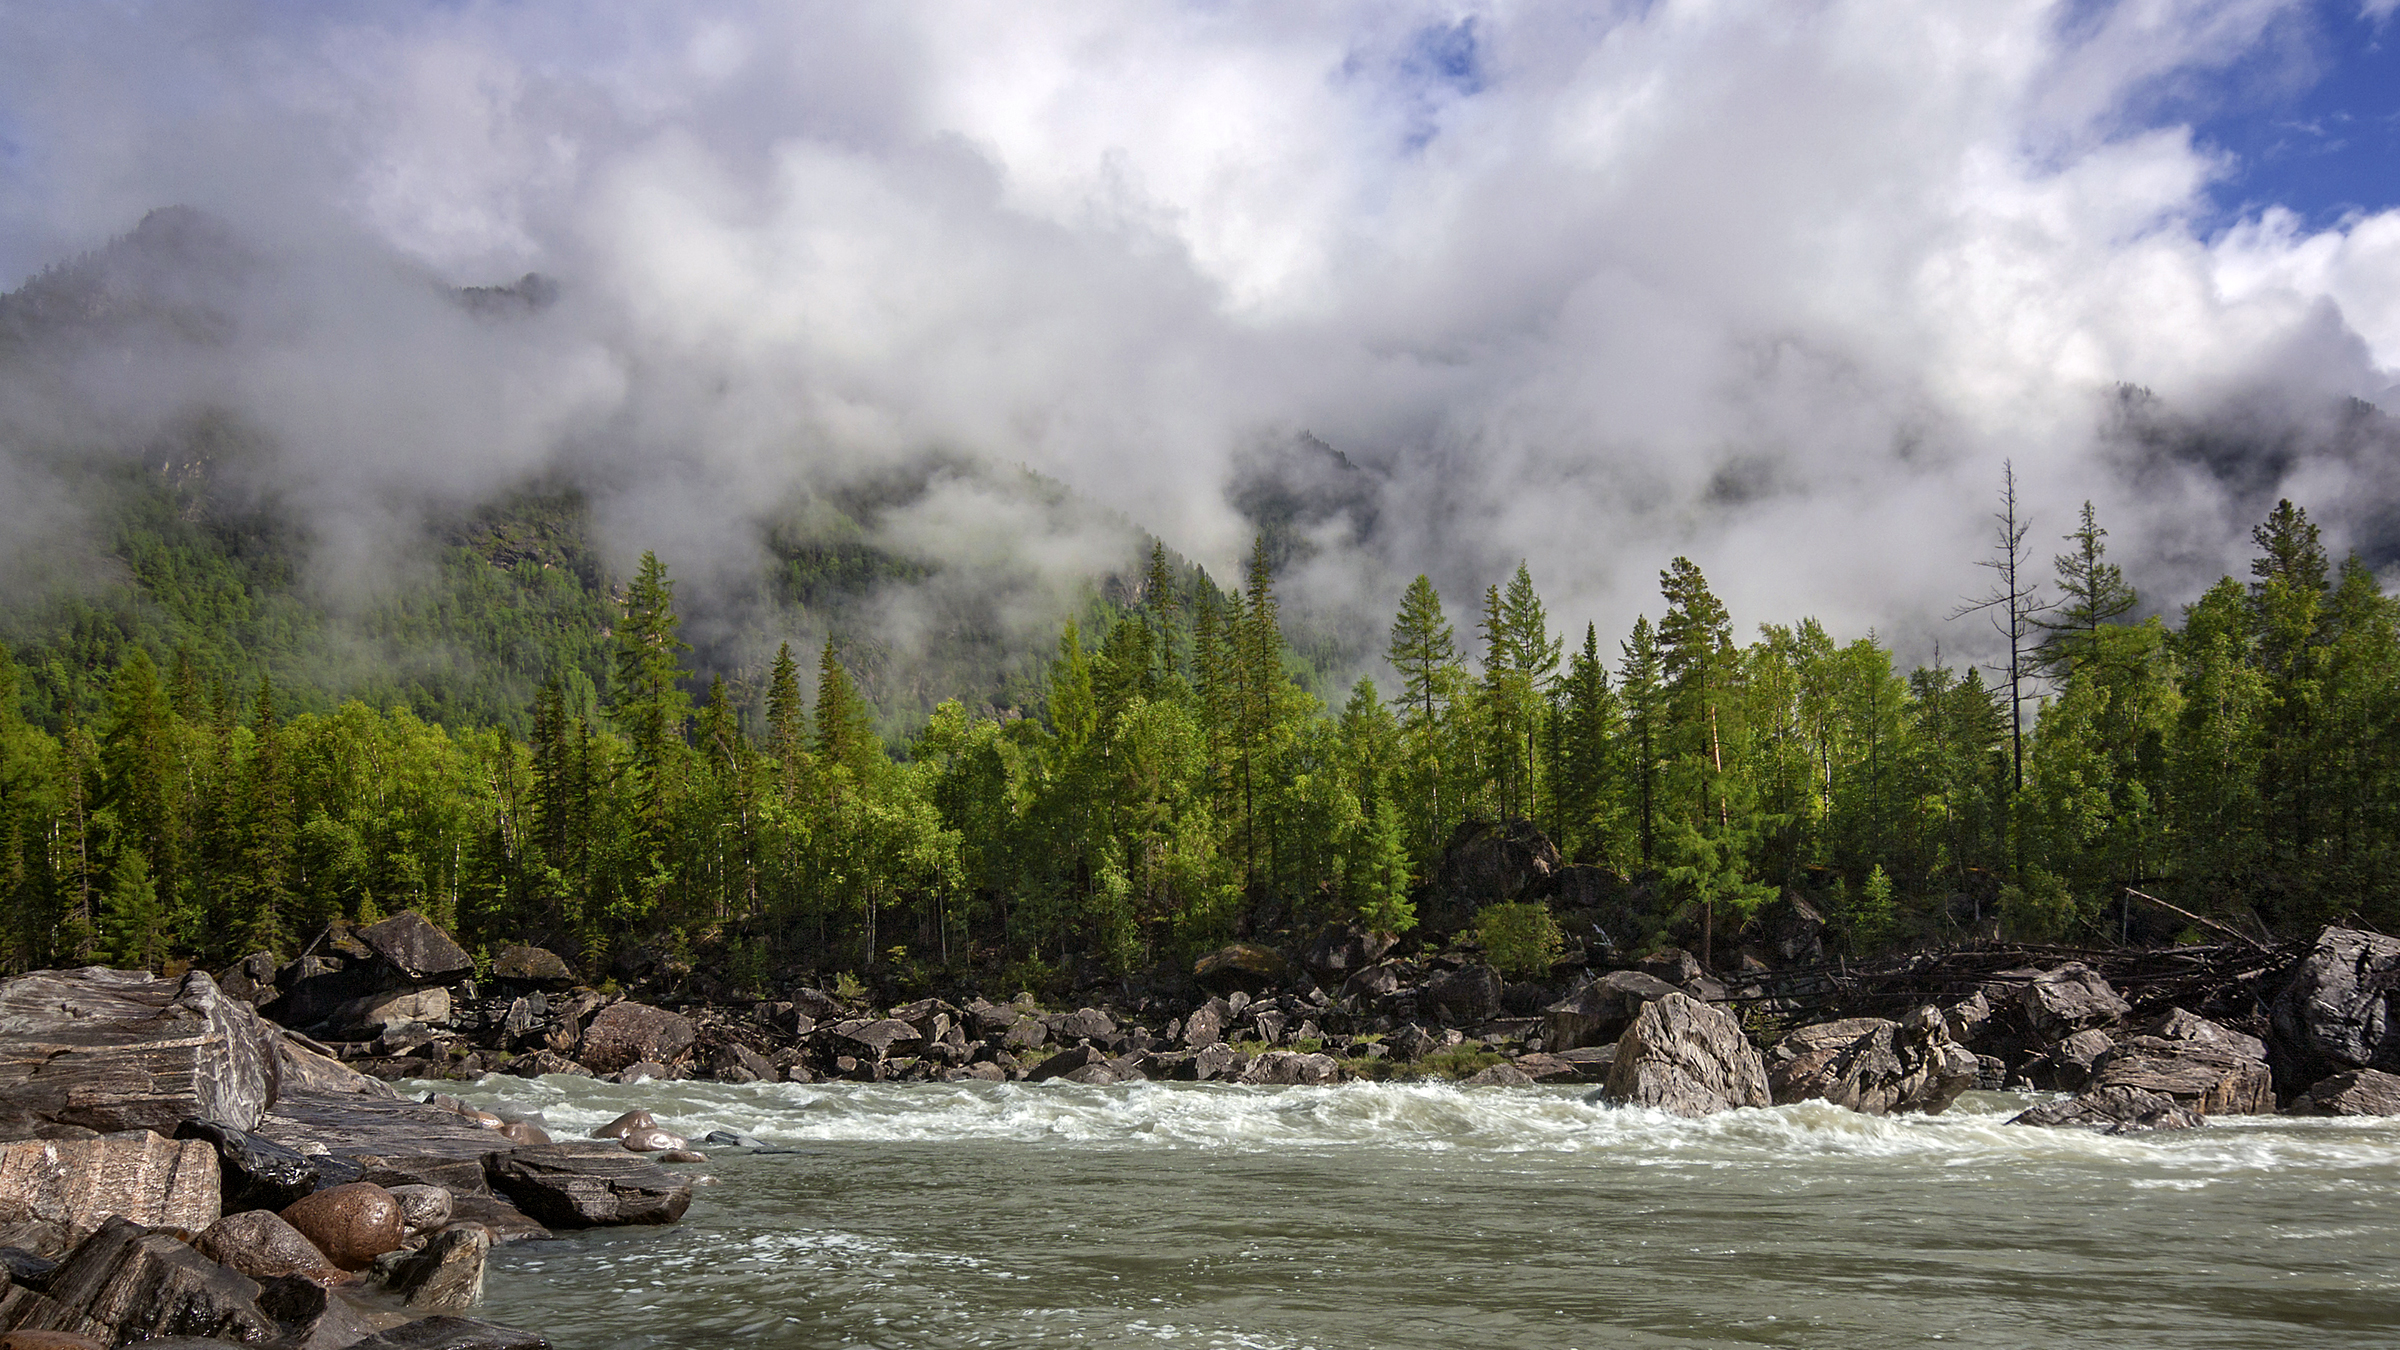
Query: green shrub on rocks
{"points": [[1519, 938]]}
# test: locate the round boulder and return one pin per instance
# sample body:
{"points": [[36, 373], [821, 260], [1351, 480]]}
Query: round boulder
{"points": [[652, 1140], [259, 1244], [424, 1208], [636, 1119], [351, 1224]]}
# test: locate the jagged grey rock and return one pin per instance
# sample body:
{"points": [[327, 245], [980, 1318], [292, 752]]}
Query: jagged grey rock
{"points": [[1683, 1056], [1874, 1066], [625, 1034], [2337, 1013], [2359, 1092], [566, 1186], [2072, 998]]}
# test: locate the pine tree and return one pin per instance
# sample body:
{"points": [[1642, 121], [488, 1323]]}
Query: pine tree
{"points": [[845, 727], [2094, 593], [1644, 698], [267, 833], [2015, 605], [651, 707], [1589, 767], [131, 919], [137, 765]]}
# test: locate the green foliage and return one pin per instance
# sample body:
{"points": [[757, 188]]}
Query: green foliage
{"points": [[1520, 937]]}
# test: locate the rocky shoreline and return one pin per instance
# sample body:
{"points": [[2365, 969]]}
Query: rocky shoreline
{"points": [[203, 1160]]}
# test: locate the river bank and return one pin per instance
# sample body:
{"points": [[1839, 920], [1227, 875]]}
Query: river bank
{"points": [[123, 1089]]}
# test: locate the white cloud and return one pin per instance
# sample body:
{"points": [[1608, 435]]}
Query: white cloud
{"points": [[1776, 286]]}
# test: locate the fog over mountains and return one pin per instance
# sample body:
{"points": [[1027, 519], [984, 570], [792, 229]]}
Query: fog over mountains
{"points": [[1432, 287]]}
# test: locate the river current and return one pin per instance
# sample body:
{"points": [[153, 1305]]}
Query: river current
{"points": [[1419, 1215]]}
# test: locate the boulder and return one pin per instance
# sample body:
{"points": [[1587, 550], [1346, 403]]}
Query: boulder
{"points": [[564, 1186], [1290, 1068], [1084, 1024], [70, 1187], [2175, 1024], [409, 943], [1487, 862], [351, 1224], [423, 1208], [873, 1037], [313, 1317], [1065, 1062], [1874, 1066], [1794, 930], [2336, 1012], [734, 1062], [2358, 1092], [1501, 1075], [1598, 1012], [122, 1050], [1206, 1026], [636, 1119], [259, 1244], [2072, 998], [1242, 965], [447, 1272], [2209, 1078], [2068, 1067], [1967, 1018], [251, 979], [1470, 993], [625, 1034], [126, 1283], [651, 1139], [2112, 1110], [1547, 1068], [1675, 966], [535, 967], [1376, 981], [1342, 950], [309, 1068], [379, 1015], [1683, 1056], [542, 1062]]}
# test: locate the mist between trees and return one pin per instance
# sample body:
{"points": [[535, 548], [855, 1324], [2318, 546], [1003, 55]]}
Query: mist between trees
{"points": [[1180, 788]]}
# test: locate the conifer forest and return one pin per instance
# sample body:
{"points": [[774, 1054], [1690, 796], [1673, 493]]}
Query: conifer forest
{"points": [[1167, 783]]}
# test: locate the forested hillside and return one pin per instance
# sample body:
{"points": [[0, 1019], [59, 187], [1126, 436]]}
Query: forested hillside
{"points": [[167, 795]]}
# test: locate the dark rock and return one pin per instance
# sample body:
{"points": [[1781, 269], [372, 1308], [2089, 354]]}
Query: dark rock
{"points": [[253, 1172], [625, 1034], [2072, 998], [259, 1244], [568, 1187], [410, 944], [1794, 930], [447, 1272], [1546, 1068], [1065, 1062], [1026, 1033], [1470, 993], [1412, 1042], [1967, 1018], [1673, 966], [251, 979], [542, 1062], [121, 1050], [1242, 965], [1874, 1066], [402, 1019], [1683, 1056], [2068, 1067], [311, 1315], [1500, 1075], [1087, 1024], [533, 966], [2358, 1092], [1486, 862], [29, 1269], [504, 1221], [452, 1333], [2175, 1024], [2337, 1012], [1599, 1012], [396, 1172], [351, 1224], [1343, 950], [736, 1063], [2112, 1110], [126, 1283], [1376, 982]]}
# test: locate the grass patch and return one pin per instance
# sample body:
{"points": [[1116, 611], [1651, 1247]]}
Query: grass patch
{"points": [[1459, 1061]]}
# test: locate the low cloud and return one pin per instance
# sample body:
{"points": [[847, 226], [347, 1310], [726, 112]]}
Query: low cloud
{"points": [[1778, 287]]}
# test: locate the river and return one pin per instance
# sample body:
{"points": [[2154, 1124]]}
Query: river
{"points": [[1202, 1215]]}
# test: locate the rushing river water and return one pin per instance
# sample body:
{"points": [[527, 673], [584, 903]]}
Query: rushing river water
{"points": [[926, 1215]]}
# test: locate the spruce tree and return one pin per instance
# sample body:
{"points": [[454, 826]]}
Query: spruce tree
{"points": [[268, 827], [651, 707], [2093, 593]]}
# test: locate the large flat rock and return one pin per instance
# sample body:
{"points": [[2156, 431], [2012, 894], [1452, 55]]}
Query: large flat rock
{"points": [[588, 1185], [73, 1186], [118, 1050]]}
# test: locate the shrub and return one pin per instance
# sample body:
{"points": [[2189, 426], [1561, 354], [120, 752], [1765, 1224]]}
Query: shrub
{"points": [[1520, 938]]}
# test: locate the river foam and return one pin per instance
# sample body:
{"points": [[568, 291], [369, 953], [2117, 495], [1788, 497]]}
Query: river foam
{"points": [[1432, 1117]]}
